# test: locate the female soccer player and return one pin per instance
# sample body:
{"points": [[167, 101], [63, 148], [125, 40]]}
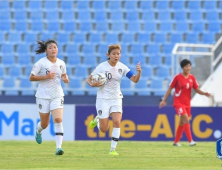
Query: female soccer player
{"points": [[109, 96], [49, 96], [183, 84]]}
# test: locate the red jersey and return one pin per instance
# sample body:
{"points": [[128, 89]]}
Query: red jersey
{"points": [[183, 87]]}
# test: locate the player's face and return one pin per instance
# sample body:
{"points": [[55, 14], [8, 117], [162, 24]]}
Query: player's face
{"points": [[52, 50], [114, 55], [186, 69]]}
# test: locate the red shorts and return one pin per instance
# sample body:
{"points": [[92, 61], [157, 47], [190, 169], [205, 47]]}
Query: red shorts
{"points": [[181, 110]]}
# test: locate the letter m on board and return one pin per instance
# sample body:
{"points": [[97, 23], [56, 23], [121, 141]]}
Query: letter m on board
{"points": [[9, 120]]}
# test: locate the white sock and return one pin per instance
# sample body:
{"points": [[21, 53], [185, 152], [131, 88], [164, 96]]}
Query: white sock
{"points": [[98, 123], [58, 134], [39, 128], [115, 138]]}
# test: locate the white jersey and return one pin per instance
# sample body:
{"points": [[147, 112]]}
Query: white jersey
{"points": [[49, 88], [111, 90]]}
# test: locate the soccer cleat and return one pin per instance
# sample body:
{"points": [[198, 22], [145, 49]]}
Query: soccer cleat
{"points": [[93, 123], [59, 151], [38, 138], [113, 153], [192, 143], [176, 144]]}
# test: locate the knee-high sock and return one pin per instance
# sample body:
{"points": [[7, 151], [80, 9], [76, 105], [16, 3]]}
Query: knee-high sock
{"points": [[58, 134], [178, 134], [115, 138], [187, 131], [39, 128]]}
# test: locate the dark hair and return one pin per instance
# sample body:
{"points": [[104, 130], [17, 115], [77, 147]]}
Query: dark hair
{"points": [[42, 45], [185, 62]]}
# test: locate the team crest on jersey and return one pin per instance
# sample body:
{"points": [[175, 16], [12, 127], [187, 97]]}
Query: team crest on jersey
{"points": [[61, 67], [120, 71], [47, 70], [190, 80], [40, 106], [100, 112]]}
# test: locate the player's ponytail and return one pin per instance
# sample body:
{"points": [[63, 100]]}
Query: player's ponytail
{"points": [[42, 46]]}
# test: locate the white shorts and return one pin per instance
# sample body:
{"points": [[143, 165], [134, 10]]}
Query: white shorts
{"points": [[105, 107], [46, 105]]}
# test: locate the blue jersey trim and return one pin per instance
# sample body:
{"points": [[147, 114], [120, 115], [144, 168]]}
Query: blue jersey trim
{"points": [[129, 74]]}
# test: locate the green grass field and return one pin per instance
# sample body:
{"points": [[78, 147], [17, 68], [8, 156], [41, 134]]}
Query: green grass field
{"points": [[94, 155]]}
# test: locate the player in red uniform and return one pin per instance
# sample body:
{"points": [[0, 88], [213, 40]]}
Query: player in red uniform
{"points": [[183, 84]]}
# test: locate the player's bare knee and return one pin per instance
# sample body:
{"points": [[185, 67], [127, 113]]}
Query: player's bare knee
{"points": [[44, 125], [58, 120], [104, 129], [116, 124], [185, 121]]}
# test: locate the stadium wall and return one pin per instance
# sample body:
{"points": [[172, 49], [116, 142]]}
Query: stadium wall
{"points": [[140, 123], [79, 99]]}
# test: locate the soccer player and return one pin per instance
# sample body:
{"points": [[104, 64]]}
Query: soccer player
{"points": [[109, 96], [49, 95], [183, 84]]}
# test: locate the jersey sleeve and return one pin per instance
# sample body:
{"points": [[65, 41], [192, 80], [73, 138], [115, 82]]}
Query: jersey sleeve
{"points": [[36, 68], [63, 69], [127, 72], [98, 69], [173, 82], [195, 84]]}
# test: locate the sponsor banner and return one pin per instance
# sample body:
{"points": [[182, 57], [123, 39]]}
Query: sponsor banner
{"points": [[151, 124], [18, 122]]}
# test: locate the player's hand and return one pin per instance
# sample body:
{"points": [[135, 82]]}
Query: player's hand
{"points": [[207, 94], [65, 78], [96, 84], [138, 67], [50, 75], [162, 103]]}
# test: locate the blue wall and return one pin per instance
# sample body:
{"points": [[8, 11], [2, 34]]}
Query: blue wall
{"points": [[127, 100]]}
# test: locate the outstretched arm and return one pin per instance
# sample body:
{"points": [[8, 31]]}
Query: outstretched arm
{"points": [[163, 102], [202, 93]]}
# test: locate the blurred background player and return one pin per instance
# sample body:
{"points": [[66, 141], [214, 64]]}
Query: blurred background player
{"points": [[49, 96], [183, 83], [109, 96]]}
